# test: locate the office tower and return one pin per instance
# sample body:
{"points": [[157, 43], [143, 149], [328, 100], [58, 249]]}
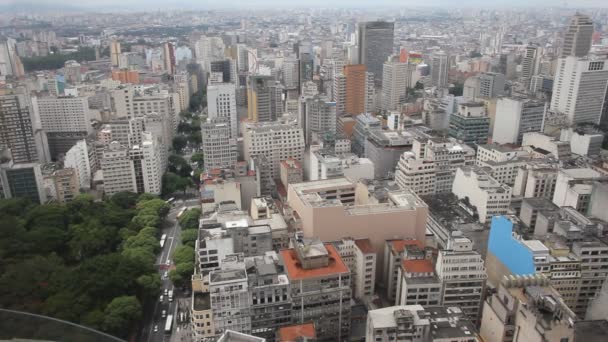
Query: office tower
{"points": [[72, 72], [65, 120], [356, 89], [77, 158], [471, 124], [375, 45], [208, 49], [228, 69], [463, 277], [22, 180], [242, 59], [264, 98], [307, 265], [219, 148], [339, 93], [577, 39], [363, 125], [8, 56], [221, 102], [318, 118], [439, 69], [516, 116], [486, 85], [151, 164], [115, 53], [16, 131], [580, 89], [395, 81], [291, 74], [530, 64], [306, 67], [276, 141], [118, 169], [169, 57]]}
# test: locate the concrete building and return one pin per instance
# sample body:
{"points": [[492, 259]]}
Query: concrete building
{"points": [[489, 197], [526, 309], [151, 164], [321, 204], [548, 145], [317, 117], [375, 45], [360, 258], [395, 252], [66, 120], [320, 288], [221, 102], [115, 53], [419, 324], [582, 142], [592, 254], [118, 169], [16, 129], [65, 184], [530, 64], [219, 146], [530, 210], [395, 81], [516, 116], [295, 332], [579, 89], [22, 180], [577, 38], [276, 141], [353, 90], [325, 164], [364, 124], [463, 277], [484, 85], [291, 172], [573, 187], [234, 313], [77, 158], [233, 336], [384, 149], [471, 124], [439, 69], [264, 98], [418, 283]]}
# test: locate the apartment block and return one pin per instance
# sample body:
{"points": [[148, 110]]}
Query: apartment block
{"points": [[118, 169], [78, 159], [17, 131], [516, 116], [547, 145], [395, 252], [536, 179], [264, 98], [221, 99], [470, 124], [219, 147], [418, 283], [360, 259]]}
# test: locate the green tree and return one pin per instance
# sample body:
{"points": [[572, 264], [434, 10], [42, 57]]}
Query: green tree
{"points": [[184, 127], [195, 138], [189, 237], [183, 254], [185, 269], [125, 199], [150, 284], [179, 142], [91, 238], [156, 205], [140, 221], [198, 158], [190, 219], [419, 85], [146, 196], [176, 278], [120, 315]]}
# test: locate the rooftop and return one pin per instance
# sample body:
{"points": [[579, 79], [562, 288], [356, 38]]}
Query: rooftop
{"points": [[398, 246], [201, 301], [385, 317], [418, 266], [591, 331], [581, 173], [233, 336], [364, 245], [295, 271], [291, 333]]}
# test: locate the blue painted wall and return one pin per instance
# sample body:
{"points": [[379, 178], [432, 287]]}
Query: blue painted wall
{"points": [[512, 253]]}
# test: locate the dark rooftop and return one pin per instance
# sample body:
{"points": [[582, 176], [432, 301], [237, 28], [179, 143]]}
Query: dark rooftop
{"points": [[201, 301]]}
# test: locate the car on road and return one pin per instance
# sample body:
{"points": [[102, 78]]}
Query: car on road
{"points": [[164, 313], [165, 275], [166, 292], [168, 263], [161, 298], [156, 328]]}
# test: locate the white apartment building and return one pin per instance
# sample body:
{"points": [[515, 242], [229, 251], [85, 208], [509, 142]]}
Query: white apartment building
{"points": [[208, 49], [559, 149], [501, 161], [573, 187], [318, 117], [277, 141], [324, 165], [219, 148], [583, 143], [221, 102], [395, 81], [418, 284], [63, 114], [151, 164], [229, 296], [516, 116], [118, 169], [78, 159], [579, 88], [486, 194], [536, 179], [463, 276], [360, 259]]}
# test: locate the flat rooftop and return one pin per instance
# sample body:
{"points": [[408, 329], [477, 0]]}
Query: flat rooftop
{"points": [[385, 317], [291, 333], [295, 271], [322, 185], [201, 301]]}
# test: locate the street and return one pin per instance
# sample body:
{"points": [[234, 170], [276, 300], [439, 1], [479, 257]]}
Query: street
{"points": [[180, 304]]}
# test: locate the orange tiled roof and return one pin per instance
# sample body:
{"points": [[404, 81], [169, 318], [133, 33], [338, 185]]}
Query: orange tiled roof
{"points": [[296, 272], [399, 245], [365, 245], [418, 266], [292, 332]]}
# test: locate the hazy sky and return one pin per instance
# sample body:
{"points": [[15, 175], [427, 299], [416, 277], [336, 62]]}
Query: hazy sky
{"points": [[201, 4]]}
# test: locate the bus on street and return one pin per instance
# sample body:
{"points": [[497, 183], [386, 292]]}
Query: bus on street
{"points": [[162, 240], [169, 324]]}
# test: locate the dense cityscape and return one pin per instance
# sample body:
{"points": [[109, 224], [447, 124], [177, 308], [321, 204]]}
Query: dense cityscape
{"points": [[265, 173]]}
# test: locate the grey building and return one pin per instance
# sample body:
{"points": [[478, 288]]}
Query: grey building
{"points": [[439, 69], [364, 123], [264, 98], [375, 45], [577, 39], [16, 130], [317, 117], [219, 148], [23, 180], [470, 125], [384, 149]]}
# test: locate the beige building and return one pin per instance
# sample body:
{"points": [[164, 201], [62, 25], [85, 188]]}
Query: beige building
{"points": [[360, 259], [395, 252], [334, 208], [418, 283], [526, 309], [291, 172]]}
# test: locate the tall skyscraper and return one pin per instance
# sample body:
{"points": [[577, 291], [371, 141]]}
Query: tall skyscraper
{"points": [[577, 39], [530, 64], [221, 102], [219, 149], [439, 69], [306, 67], [353, 90], [169, 57], [395, 81], [579, 88], [16, 131], [376, 39], [115, 53], [317, 117], [264, 98], [485, 85]]}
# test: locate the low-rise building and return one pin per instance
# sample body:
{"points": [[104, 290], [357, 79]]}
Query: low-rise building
{"points": [[418, 283], [470, 124]]}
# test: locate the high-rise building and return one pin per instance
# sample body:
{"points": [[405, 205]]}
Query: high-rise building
{"points": [[151, 164], [65, 120], [221, 102], [219, 148], [530, 64], [77, 158], [353, 90], [264, 98], [276, 141], [471, 124], [16, 129], [22, 180], [516, 116], [318, 118], [395, 81], [580, 88], [577, 39], [118, 169], [376, 39], [291, 74], [115, 53], [169, 57], [320, 288], [228, 69], [486, 85], [439, 69], [306, 67]]}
